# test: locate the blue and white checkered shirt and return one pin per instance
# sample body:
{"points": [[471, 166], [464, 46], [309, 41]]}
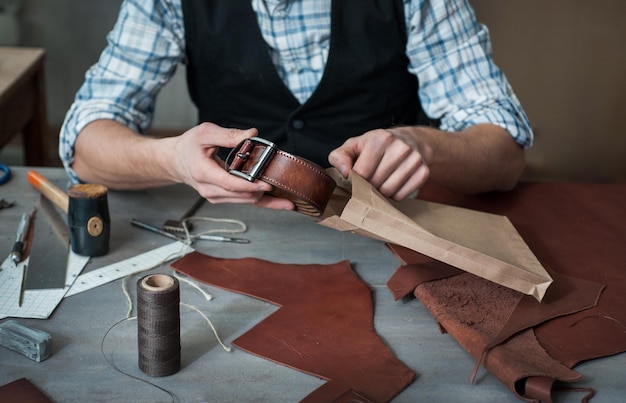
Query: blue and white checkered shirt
{"points": [[449, 52]]}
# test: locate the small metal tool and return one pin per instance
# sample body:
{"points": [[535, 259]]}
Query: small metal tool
{"points": [[19, 247], [22, 232], [177, 225], [219, 238], [215, 238], [154, 229]]}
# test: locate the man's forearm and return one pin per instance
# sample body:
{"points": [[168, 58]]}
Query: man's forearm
{"points": [[479, 159], [109, 153]]}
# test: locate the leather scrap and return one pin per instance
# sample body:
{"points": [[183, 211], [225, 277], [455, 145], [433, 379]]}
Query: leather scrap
{"points": [[22, 391], [324, 326], [566, 296], [473, 311], [416, 269], [575, 230]]}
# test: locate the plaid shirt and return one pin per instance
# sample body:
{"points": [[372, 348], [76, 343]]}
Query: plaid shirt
{"points": [[448, 50]]}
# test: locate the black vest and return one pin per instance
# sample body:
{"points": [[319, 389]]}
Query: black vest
{"points": [[365, 84]]}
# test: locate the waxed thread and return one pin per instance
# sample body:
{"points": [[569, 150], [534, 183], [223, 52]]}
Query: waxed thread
{"points": [[158, 324], [189, 237], [185, 245], [171, 394], [219, 340], [182, 252], [128, 317], [205, 294]]}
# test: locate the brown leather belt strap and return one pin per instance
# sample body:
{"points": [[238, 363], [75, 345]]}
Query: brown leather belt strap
{"points": [[303, 182]]}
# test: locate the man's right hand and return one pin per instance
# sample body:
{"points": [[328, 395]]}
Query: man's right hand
{"points": [[197, 164], [109, 153]]}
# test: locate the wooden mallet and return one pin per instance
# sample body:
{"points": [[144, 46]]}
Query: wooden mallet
{"points": [[87, 210]]}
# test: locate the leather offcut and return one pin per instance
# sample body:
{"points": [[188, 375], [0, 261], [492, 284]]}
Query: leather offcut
{"points": [[575, 230], [324, 326], [22, 391]]}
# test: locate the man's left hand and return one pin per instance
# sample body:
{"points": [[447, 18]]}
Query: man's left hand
{"points": [[389, 159]]}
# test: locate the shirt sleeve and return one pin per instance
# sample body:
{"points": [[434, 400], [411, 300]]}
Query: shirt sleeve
{"points": [[142, 53], [459, 83]]}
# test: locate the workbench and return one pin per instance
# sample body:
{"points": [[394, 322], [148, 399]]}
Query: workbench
{"points": [[78, 372]]}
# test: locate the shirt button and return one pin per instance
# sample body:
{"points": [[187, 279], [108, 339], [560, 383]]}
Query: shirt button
{"points": [[297, 124]]}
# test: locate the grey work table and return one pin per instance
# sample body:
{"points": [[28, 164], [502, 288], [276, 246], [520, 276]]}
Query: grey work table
{"points": [[78, 372]]}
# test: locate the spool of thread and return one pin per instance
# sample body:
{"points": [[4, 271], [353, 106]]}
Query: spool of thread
{"points": [[158, 321], [88, 219]]}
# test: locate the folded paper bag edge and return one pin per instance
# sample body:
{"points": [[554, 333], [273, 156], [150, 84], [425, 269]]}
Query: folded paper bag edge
{"points": [[469, 260], [370, 214]]}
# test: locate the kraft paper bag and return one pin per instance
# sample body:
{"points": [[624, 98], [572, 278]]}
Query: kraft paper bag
{"points": [[484, 244]]}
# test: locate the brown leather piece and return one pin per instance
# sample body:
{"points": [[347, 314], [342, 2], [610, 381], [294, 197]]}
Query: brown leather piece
{"points": [[473, 311], [22, 391], [417, 269], [566, 296], [294, 178], [335, 392], [577, 230], [539, 387], [324, 327]]}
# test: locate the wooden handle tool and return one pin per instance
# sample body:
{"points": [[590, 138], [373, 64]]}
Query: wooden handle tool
{"points": [[48, 189], [87, 212]]}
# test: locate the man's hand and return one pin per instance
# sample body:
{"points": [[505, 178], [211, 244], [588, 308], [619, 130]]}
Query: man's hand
{"points": [[390, 160], [196, 163], [111, 154], [398, 161]]}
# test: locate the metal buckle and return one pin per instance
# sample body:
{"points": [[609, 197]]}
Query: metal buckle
{"points": [[255, 171]]}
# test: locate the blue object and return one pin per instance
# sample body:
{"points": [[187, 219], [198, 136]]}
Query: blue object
{"points": [[5, 174]]}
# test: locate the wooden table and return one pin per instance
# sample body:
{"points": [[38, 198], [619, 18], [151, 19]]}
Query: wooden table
{"points": [[78, 372], [23, 103]]}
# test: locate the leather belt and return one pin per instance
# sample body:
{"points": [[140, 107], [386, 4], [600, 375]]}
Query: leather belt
{"points": [[303, 182]]}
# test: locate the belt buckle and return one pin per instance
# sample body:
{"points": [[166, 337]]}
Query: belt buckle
{"points": [[257, 168]]}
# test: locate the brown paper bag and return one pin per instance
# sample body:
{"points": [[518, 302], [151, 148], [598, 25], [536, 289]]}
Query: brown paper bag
{"points": [[483, 244]]}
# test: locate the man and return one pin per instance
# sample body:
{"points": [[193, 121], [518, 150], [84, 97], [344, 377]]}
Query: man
{"points": [[336, 82]]}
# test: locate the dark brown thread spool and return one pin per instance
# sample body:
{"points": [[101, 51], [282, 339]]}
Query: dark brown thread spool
{"points": [[88, 219], [158, 322]]}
